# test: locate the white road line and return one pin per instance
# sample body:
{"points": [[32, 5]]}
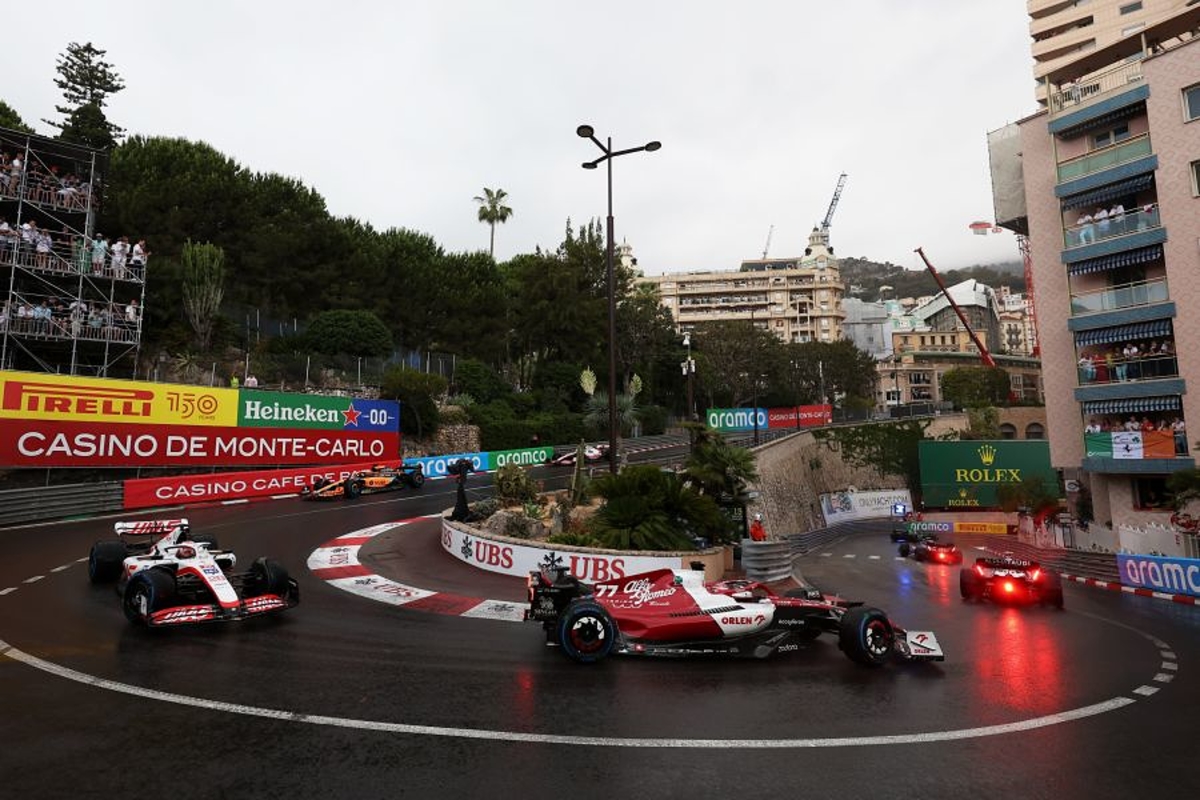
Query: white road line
{"points": [[81, 560], [1145, 691], [873, 558], [549, 738], [1163, 677], [9, 590], [34, 579], [849, 555], [1171, 665], [64, 566], [826, 555]]}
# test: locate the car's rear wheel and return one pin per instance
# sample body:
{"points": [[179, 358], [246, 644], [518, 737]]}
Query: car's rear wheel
{"points": [[586, 631], [104, 561], [148, 591], [416, 479], [866, 636], [1052, 591], [968, 585], [905, 549], [268, 577]]}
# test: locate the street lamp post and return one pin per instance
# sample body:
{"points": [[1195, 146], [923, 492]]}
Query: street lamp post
{"points": [[689, 369], [588, 132]]}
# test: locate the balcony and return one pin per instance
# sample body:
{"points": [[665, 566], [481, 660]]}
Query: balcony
{"points": [[1135, 222], [1105, 85], [1123, 295], [1104, 158], [1120, 370]]}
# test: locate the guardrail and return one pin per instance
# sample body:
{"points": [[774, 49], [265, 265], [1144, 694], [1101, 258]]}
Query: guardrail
{"points": [[38, 503], [766, 561]]}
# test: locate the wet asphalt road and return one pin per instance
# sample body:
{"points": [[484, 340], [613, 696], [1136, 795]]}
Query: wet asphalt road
{"points": [[316, 700]]}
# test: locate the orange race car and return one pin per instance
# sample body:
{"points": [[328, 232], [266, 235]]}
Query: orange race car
{"points": [[380, 478]]}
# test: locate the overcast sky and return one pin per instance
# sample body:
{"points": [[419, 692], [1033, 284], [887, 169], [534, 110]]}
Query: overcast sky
{"points": [[399, 113]]}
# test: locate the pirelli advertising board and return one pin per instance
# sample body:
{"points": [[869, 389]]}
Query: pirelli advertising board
{"points": [[967, 474], [69, 421]]}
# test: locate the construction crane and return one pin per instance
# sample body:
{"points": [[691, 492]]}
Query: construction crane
{"points": [[767, 246], [1027, 257], [837, 194], [984, 355]]}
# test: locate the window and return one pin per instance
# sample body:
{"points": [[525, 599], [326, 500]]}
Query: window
{"points": [[1008, 431], [1111, 136], [1191, 102], [1034, 430], [1196, 178], [1132, 7], [1150, 493]]}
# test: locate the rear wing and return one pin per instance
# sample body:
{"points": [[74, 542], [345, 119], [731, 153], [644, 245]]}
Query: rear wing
{"points": [[149, 527], [1001, 563]]}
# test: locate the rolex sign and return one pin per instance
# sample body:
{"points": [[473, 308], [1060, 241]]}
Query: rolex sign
{"points": [[967, 474]]}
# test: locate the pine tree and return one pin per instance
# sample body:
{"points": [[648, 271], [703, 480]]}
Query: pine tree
{"points": [[86, 80]]}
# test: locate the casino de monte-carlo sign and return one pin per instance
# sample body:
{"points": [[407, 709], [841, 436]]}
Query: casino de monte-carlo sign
{"points": [[51, 420], [967, 474]]}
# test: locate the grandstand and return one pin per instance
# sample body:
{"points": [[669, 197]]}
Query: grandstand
{"points": [[70, 307]]}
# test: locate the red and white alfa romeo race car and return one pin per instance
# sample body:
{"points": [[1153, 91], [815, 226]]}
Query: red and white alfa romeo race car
{"points": [[167, 575], [670, 612]]}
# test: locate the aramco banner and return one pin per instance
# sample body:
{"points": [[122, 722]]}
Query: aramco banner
{"points": [[967, 474], [743, 419], [69, 421]]}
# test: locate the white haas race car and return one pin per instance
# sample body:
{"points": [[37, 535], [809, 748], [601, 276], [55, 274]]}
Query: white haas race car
{"points": [[167, 575]]}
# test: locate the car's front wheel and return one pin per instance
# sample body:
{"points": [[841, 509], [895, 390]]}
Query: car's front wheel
{"points": [[416, 479], [268, 576], [905, 549], [969, 585], [148, 591], [104, 561], [866, 636], [586, 631], [353, 490]]}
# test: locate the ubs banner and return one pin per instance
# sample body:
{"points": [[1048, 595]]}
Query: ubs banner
{"points": [[967, 474], [70, 421]]}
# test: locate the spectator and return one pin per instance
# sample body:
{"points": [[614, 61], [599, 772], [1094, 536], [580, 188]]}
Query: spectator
{"points": [[7, 240], [99, 254], [1087, 233], [233, 381], [1147, 425], [1087, 370], [1101, 217], [1132, 368], [120, 252], [1093, 427], [137, 259], [1132, 424], [757, 532], [251, 382], [1116, 216], [1180, 431], [132, 313]]}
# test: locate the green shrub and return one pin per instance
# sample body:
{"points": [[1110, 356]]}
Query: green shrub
{"points": [[573, 538], [513, 486], [482, 509], [653, 419]]}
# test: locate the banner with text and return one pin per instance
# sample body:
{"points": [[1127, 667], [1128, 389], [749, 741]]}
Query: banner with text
{"points": [[200, 488], [966, 474], [743, 419], [839, 507], [1130, 444], [1170, 575]]}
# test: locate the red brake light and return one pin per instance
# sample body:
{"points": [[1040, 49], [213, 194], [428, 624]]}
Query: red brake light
{"points": [[941, 555], [1008, 586]]}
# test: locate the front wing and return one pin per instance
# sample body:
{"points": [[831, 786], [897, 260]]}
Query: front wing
{"points": [[213, 612]]}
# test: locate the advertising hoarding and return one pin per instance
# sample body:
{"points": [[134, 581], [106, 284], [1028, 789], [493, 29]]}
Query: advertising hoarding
{"points": [[967, 474], [1160, 574], [742, 419], [215, 486], [839, 507]]}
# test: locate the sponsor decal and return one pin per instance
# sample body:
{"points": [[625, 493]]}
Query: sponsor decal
{"points": [[64, 398], [281, 410], [743, 419], [744, 620], [25, 443], [967, 474], [439, 466], [526, 457], [849, 506], [1161, 573], [638, 593]]}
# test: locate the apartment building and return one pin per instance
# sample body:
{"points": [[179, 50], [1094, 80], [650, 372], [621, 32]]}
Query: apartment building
{"points": [[1105, 182], [797, 299]]}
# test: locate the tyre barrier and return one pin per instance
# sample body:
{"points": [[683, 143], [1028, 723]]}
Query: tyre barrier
{"points": [[766, 561]]}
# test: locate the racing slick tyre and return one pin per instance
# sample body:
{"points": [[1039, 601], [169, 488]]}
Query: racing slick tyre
{"points": [[268, 577], [865, 635], [1052, 593], [148, 591], [905, 549], [968, 585], [416, 480], [586, 632], [353, 490], [318, 483], [104, 561]]}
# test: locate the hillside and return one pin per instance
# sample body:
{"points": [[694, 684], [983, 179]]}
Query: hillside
{"points": [[863, 278]]}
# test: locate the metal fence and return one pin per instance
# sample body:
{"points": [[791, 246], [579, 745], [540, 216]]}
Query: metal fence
{"points": [[38, 503]]}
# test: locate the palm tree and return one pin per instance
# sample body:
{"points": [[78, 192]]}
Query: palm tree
{"points": [[491, 211]]}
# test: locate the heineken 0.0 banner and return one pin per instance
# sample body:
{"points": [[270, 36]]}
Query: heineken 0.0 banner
{"points": [[967, 474]]}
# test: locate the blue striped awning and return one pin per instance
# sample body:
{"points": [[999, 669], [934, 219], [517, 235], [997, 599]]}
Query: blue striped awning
{"points": [[1141, 255], [1124, 333], [1132, 405], [1109, 192]]}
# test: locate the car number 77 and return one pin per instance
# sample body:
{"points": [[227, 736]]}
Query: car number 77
{"points": [[606, 590]]}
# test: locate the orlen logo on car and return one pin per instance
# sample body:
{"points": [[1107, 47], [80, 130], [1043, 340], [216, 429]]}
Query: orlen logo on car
{"points": [[742, 620], [52, 398]]}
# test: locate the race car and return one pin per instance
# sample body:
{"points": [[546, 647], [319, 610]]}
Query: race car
{"points": [[930, 548], [904, 532], [591, 454], [380, 478], [167, 575], [1010, 579], [671, 612]]}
